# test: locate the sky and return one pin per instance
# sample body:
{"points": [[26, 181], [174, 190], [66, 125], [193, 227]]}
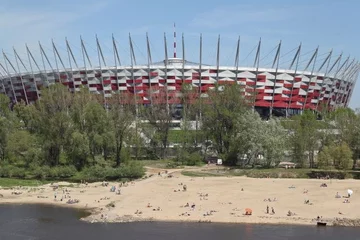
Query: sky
{"points": [[327, 24]]}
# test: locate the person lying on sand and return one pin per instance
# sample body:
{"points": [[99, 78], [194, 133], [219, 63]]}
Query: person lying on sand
{"points": [[138, 212], [185, 214], [42, 197], [289, 214], [207, 214], [337, 195], [346, 201], [149, 205], [72, 201]]}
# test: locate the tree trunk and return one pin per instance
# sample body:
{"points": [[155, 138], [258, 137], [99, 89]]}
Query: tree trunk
{"points": [[118, 152]]}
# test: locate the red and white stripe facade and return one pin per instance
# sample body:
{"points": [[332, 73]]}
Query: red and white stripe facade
{"points": [[272, 87]]}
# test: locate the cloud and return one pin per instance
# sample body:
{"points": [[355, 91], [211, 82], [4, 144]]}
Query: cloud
{"points": [[239, 14], [30, 24]]}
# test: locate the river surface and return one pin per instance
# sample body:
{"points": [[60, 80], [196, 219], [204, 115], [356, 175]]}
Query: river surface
{"points": [[39, 222]]}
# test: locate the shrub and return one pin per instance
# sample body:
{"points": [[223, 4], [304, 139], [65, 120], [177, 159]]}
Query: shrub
{"points": [[41, 172], [96, 173], [331, 174], [190, 159], [194, 159], [62, 172], [12, 171]]}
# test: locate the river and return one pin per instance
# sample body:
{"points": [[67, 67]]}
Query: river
{"points": [[40, 222]]}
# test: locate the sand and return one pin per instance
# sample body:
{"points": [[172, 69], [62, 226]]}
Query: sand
{"points": [[224, 198]]}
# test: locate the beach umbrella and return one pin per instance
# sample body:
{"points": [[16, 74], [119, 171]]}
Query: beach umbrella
{"points": [[350, 192], [248, 211]]}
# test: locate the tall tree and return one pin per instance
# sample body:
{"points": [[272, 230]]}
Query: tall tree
{"points": [[220, 111], [159, 116], [346, 124], [304, 137], [122, 117], [54, 124]]}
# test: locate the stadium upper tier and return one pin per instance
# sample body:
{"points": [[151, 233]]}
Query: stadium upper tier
{"points": [[329, 84]]}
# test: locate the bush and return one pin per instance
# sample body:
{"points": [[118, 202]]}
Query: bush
{"points": [[125, 155], [194, 159], [130, 170], [61, 172], [41, 172], [12, 172], [190, 159], [331, 174]]}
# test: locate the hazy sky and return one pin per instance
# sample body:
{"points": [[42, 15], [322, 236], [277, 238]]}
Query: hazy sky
{"points": [[329, 24]]}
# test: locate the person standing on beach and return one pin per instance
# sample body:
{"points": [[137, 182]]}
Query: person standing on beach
{"points": [[272, 210], [267, 209]]}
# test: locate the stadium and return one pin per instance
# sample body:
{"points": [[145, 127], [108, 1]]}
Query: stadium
{"points": [[318, 84]]}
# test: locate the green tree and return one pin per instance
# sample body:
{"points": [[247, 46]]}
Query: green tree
{"points": [[338, 156], [342, 156], [159, 116], [274, 142], [23, 148], [6, 124], [346, 123], [122, 118], [96, 124], [325, 158], [305, 135], [53, 123], [78, 150], [220, 112]]}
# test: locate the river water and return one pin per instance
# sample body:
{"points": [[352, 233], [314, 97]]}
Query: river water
{"points": [[39, 222]]}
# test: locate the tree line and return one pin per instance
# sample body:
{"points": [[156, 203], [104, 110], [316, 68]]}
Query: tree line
{"points": [[84, 135]]}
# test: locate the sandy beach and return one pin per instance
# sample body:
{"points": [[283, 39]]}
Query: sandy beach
{"points": [[206, 199]]}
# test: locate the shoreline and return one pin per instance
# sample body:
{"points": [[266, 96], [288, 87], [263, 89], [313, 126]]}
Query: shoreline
{"points": [[217, 200], [132, 219]]}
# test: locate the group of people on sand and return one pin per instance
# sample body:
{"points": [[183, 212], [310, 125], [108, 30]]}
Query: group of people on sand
{"points": [[272, 210], [167, 174], [65, 195], [16, 193], [203, 196], [210, 213], [192, 206], [183, 186], [270, 200]]}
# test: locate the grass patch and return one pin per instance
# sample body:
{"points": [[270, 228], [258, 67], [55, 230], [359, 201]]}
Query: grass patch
{"points": [[164, 163], [253, 173], [275, 173], [12, 182], [180, 136], [167, 164], [199, 174]]}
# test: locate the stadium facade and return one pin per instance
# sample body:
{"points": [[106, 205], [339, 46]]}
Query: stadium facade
{"points": [[274, 89]]}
